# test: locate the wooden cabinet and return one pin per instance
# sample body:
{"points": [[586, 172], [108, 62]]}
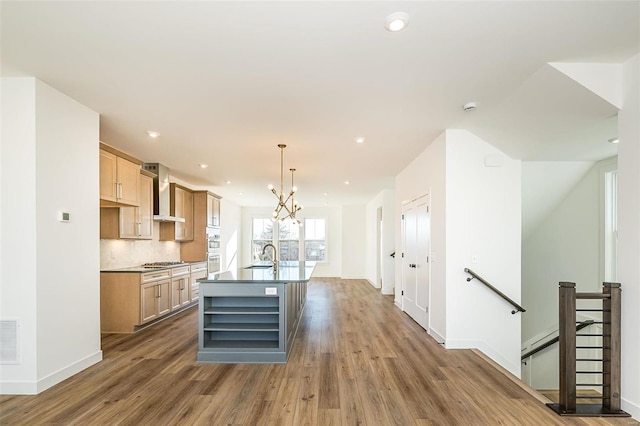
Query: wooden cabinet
{"points": [[198, 271], [155, 300], [137, 222], [206, 209], [130, 300], [181, 206], [119, 179], [131, 222], [155, 294], [213, 210], [180, 287]]}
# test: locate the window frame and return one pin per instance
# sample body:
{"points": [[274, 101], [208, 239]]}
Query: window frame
{"points": [[326, 242], [265, 241]]}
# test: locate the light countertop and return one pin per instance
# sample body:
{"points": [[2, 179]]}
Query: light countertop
{"points": [[288, 272], [141, 269]]}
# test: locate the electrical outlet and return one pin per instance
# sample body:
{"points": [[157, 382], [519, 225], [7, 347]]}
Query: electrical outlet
{"points": [[474, 258]]}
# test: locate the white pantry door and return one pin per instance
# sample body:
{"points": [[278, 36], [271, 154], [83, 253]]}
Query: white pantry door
{"points": [[416, 220]]}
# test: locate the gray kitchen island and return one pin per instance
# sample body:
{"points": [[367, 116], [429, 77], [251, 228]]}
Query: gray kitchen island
{"points": [[251, 315]]}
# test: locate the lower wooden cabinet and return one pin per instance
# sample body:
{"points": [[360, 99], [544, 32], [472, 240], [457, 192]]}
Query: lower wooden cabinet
{"points": [[180, 291], [130, 298], [154, 300]]}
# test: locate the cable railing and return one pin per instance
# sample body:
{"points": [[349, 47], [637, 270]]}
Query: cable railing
{"points": [[517, 307]]}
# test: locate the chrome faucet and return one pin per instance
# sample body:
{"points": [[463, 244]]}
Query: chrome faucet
{"points": [[274, 259]]}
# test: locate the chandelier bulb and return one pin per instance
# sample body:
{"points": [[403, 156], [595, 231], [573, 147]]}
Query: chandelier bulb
{"points": [[294, 189], [270, 187]]}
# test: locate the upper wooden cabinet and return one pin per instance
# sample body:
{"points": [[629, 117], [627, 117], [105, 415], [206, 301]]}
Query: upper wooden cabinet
{"points": [[206, 212], [119, 178], [137, 222], [181, 206], [213, 210], [131, 222]]}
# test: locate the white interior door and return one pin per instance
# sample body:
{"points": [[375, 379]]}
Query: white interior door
{"points": [[415, 260]]}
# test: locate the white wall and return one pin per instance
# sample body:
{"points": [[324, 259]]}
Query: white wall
{"points": [[385, 201], [333, 216], [544, 185], [629, 233], [475, 211], [565, 246], [57, 292], [353, 241], [426, 174], [18, 227], [483, 220]]}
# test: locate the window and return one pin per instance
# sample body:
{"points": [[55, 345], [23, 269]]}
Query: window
{"points": [[262, 234], [289, 241], [315, 240]]}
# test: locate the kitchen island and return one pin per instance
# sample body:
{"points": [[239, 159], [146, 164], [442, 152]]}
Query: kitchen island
{"points": [[251, 314]]}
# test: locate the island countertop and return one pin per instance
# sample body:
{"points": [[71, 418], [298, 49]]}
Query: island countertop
{"points": [[262, 272]]}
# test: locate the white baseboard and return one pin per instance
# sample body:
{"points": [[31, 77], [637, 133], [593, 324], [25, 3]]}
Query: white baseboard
{"points": [[487, 350], [34, 388], [18, 388], [352, 277], [398, 303], [371, 282], [630, 407], [437, 336]]}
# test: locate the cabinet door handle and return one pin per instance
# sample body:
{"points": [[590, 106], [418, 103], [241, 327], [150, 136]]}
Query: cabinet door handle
{"points": [[117, 190]]}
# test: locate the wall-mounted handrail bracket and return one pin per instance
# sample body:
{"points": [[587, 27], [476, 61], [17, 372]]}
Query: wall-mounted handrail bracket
{"points": [[517, 307]]}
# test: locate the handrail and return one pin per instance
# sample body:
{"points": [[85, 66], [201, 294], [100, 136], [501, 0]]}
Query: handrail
{"points": [[495, 290], [556, 339]]}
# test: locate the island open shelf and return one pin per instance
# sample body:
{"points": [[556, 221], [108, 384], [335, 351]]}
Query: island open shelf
{"points": [[252, 315]]}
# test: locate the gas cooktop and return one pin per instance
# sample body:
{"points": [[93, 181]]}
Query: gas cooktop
{"points": [[162, 264]]}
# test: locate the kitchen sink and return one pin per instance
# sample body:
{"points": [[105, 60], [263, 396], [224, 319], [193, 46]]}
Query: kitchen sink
{"points": [[259, 266]]}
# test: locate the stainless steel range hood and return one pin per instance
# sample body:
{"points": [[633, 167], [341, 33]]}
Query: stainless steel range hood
{"points": [[161, 193]]}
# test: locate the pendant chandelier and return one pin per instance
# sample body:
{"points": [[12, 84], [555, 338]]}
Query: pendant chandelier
{"points": [[283, 211]]}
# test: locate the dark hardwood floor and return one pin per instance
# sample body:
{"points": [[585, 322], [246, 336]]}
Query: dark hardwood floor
{"points": [[357, 360]]}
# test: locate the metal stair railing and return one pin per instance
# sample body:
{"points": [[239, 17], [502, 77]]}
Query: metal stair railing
{"points": [[609, 347], [517, 307]]}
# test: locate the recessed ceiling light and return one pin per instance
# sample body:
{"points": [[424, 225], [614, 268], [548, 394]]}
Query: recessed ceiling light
{"points": [[325, 194], [203, 166], [326, 204], [240, 194], [227, 182], [346, 182], [153, 134], [359, 139], [396, 22], [613, 140]]}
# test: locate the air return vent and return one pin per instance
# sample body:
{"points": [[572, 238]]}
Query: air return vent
{"points": [[9, 333]]}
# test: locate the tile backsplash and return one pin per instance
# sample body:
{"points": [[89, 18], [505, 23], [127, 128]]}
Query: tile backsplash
{"points": [[123, 253]]}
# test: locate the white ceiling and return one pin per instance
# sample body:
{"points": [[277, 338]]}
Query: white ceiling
{"points": [[225, 82]]}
